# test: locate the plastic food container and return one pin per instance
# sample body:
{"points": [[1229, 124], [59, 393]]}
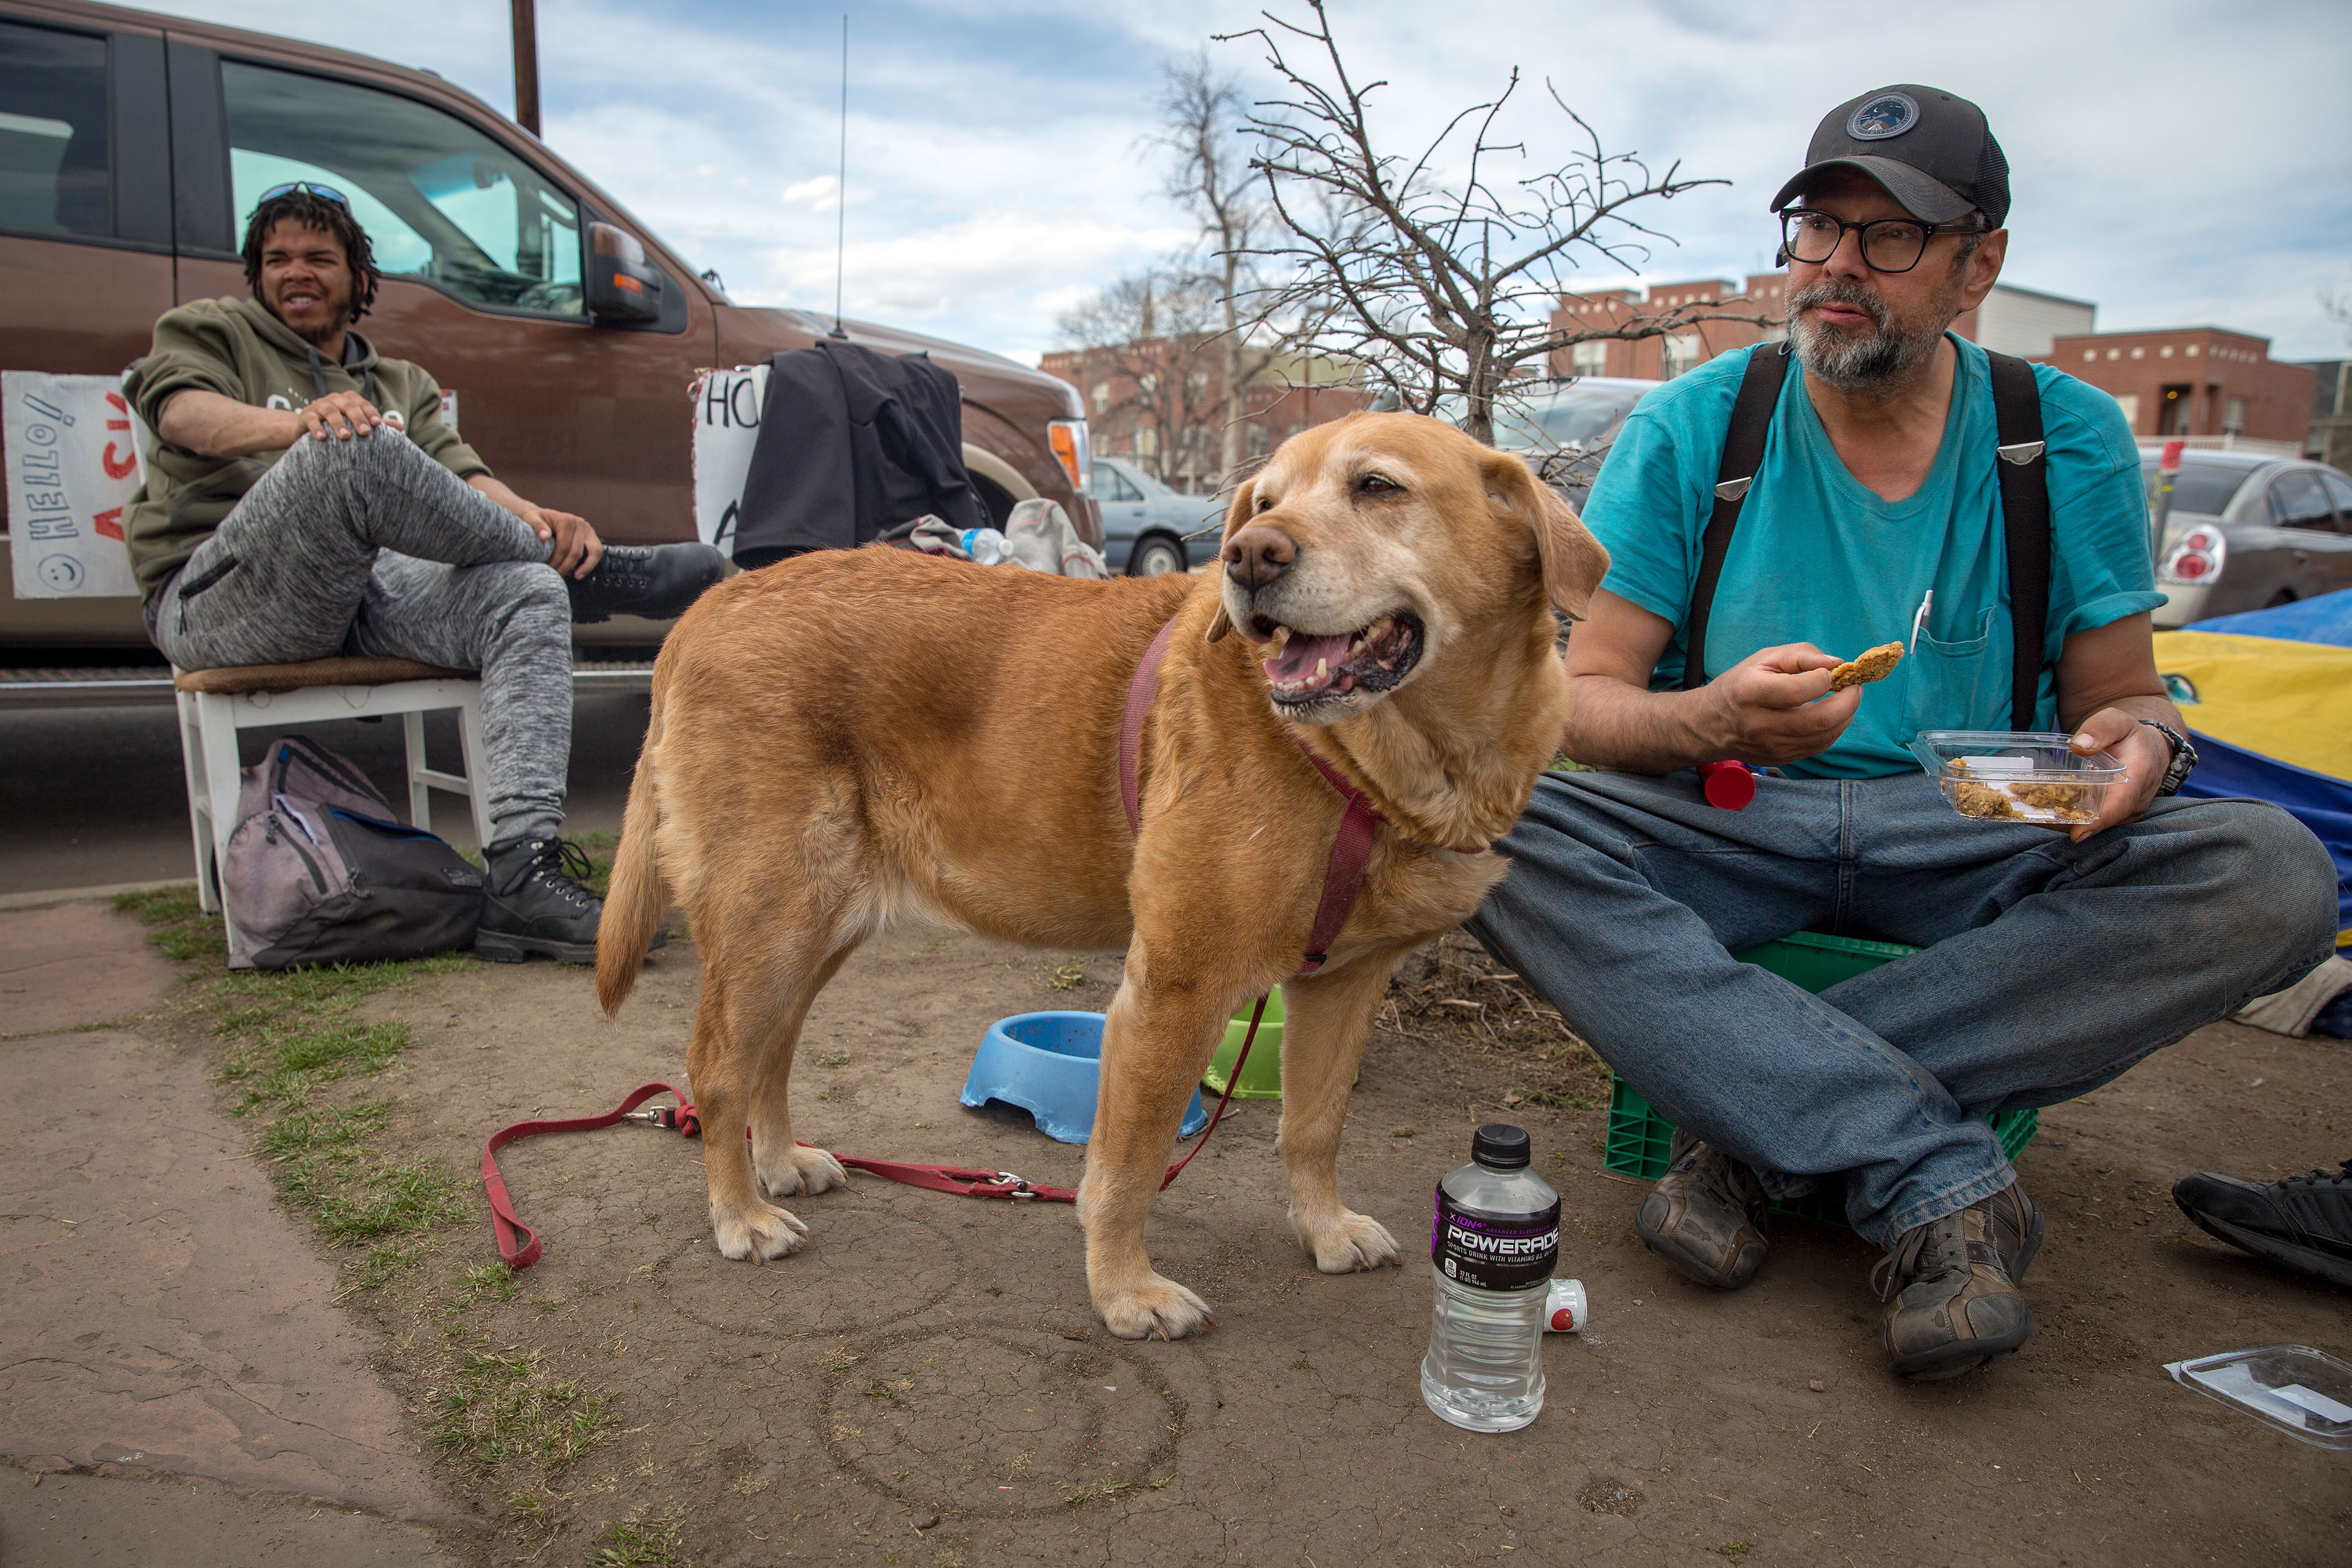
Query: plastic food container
{"points": [[2007, 775], [2303, 1393]]}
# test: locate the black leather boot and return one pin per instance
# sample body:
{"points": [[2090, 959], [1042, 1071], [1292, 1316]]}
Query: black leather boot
{"points": [[533, 902], [656, 581]]}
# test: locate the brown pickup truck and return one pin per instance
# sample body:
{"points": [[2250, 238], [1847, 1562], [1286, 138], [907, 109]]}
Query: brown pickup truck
{"points": [[133, 145]]}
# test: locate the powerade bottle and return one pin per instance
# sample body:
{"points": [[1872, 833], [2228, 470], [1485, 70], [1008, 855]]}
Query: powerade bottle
{"points": [[1491, 1254]]}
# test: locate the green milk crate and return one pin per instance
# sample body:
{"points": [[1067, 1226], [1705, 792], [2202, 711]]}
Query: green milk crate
{"points": [[1638, 1136]]}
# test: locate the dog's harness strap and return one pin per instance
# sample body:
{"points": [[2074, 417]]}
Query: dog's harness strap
{"points": [[1343, 879], [1140, 692]]}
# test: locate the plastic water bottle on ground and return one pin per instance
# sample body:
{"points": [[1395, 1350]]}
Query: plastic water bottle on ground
{"points": [[1491, 1252]]}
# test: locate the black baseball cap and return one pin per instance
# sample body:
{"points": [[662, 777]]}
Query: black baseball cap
{"points": [[1931, 151]]}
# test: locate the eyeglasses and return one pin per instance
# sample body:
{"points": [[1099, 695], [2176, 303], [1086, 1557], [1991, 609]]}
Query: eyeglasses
{"points": [[325, 193], [1888, 244]]}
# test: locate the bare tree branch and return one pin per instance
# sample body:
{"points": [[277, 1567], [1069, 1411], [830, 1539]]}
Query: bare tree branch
{"points": [[1442, 292]]}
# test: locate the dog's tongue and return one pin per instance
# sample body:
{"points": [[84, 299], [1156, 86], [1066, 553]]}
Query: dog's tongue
{"points": [[1297, 661]]}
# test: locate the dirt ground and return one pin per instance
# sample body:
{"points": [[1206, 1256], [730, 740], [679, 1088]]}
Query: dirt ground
{"points": [[927, 1384]]}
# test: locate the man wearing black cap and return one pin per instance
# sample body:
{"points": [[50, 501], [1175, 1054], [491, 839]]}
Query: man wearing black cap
{"points": [[1877, 480]]}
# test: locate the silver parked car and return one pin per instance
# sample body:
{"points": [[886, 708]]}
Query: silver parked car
{"points": [[1148, 529], [2247, 531]]}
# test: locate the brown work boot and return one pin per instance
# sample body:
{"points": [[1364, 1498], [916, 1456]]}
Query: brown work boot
{"points": [[1950, 1286], [1706, 1216]]}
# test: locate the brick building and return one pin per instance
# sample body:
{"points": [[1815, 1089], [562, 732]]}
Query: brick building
{"points": [[1668, 356], [1160, 403], [2195, 381], [2013, 320]]}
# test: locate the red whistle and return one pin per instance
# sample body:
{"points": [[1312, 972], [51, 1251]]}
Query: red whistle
{"points": [[1728, 785]]}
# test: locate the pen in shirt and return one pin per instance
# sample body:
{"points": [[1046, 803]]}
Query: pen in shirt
{"points": [[1920, 619]]}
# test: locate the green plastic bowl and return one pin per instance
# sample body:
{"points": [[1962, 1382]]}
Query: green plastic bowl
{"points": [[1261, 1075]]}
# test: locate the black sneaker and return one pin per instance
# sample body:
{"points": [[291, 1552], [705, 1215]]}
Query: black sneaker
{"points": [[656, 581], [2303, 1222], [1706, 1216], [533, 902], [1950, 1286]]}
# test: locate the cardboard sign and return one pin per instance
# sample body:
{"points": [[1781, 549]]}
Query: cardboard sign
{"points": [[76, 455], [727, 405]]}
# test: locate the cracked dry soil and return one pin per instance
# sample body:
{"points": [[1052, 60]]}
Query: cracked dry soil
{"points": [[925, 1382]]}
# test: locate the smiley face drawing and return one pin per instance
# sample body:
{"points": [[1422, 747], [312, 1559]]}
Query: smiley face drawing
{"points": [[61, 574]]}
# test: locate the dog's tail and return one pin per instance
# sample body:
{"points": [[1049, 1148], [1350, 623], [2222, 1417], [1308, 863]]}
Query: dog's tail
{"points": [[636, 900]]}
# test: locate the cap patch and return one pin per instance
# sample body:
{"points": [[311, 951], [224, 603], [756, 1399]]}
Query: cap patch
{"points": [[1889, 114]]}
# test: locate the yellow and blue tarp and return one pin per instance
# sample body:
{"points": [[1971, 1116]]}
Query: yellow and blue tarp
{"points": [[2268, 696]]}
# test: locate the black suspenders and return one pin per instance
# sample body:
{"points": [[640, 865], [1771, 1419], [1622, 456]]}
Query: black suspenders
{"points": [[2024, 508], [1743, 456], [2025, 526]]}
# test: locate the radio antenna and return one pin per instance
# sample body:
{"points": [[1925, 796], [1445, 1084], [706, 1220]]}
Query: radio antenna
{"points": [[841, 183]]}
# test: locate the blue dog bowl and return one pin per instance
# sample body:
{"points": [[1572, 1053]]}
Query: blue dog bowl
{"points": [[1049, 1064]]}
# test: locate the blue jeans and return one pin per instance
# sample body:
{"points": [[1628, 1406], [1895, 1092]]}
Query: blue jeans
{"points": [[2049, 967]]}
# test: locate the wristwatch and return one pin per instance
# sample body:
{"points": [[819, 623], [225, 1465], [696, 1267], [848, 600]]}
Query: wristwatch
{"points": [[2184, 757]]}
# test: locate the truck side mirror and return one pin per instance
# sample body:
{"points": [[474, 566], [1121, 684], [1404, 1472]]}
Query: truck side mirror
{"points": [[622, 286]]}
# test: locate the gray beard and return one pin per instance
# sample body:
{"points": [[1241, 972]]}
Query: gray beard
{"points": [[1858, 364]]}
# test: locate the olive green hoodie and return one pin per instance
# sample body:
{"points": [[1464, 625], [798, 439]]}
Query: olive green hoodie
{"points": [[237, 349]]}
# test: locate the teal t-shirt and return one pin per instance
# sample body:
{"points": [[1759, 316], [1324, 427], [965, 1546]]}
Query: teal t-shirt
{"points": [[1819, 558]]}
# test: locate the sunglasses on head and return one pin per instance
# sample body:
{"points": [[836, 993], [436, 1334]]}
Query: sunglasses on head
{"points": [[325, 193]]}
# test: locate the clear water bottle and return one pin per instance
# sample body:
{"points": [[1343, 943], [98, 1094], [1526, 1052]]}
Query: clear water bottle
{"points": [[1491, 1254]]}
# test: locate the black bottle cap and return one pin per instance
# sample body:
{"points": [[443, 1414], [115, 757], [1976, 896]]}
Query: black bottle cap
{"points": [[1500, 1146]]}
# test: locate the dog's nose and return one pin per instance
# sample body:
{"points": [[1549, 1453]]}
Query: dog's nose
{"points": [[1259, 554]]}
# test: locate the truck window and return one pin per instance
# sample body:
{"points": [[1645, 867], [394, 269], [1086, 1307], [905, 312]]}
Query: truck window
{"points": [[441, 202], [53, 153]]}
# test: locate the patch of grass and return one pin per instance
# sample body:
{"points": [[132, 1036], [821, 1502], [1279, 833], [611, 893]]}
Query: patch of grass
{"points": [[387, 1259], [180, 928], [333, 1134], [1733, 1551], [639, 1542], [293, 1037], [485, 1282], [280, 1065], [1071, 975], [395, 1200], [503, 1410]]}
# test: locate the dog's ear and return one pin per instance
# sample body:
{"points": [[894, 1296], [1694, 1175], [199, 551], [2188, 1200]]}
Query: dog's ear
{"points": [[1573, 561], [1244, 502]]}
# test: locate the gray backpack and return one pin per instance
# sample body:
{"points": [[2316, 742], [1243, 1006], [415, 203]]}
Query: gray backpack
{"points": [[319, 872]]}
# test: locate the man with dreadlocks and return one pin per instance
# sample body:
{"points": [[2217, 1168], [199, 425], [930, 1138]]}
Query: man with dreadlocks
{"points": [[305, 499]]}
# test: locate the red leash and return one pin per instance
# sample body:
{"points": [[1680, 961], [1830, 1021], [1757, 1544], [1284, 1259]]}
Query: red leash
{"points": [[519, 1244]]}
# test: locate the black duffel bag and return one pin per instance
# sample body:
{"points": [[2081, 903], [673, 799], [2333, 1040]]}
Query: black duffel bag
{"points": [[319, 872]]}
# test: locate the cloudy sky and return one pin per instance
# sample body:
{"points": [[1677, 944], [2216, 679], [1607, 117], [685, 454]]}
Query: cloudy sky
{"points": [[2178, 163]]}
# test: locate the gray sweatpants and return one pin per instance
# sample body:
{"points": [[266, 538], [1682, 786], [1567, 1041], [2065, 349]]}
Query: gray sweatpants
{"points": [[370, 547]]}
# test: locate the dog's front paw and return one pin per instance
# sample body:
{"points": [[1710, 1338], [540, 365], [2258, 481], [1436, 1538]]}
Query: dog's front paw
{"points": [[1159, 1309], [802, 1170], [759, 1233], [1346, 1241]]}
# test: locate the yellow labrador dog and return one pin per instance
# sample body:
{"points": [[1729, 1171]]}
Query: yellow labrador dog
{"points": [[854, 737]]}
